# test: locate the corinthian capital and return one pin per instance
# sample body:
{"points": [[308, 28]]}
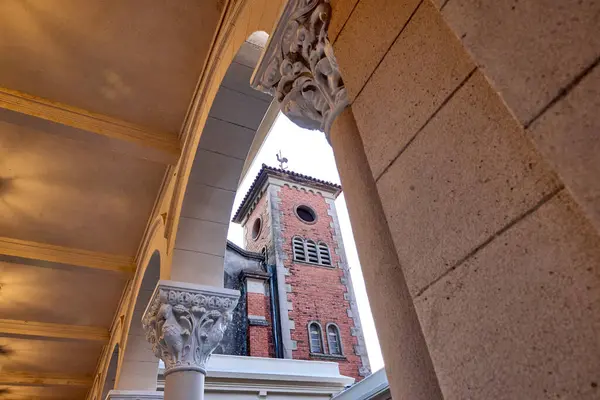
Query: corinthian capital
{"points": [[299, 69], [185, 323]]}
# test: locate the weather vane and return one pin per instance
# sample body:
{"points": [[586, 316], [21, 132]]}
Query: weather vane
{"points": [[282, 160]]}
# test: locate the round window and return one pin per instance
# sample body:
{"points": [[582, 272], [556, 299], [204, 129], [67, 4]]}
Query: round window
{"points": [[306, 214], [256, 228]]}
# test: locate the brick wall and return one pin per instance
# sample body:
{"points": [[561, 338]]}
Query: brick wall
{"points": [[264, 239], [317, 293], [260, 338]]}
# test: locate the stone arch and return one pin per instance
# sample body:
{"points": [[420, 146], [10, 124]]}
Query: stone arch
{"points": [[152, 262], [111, 372], [234, 119], [247, 22], [109, 363], [139, 366]]}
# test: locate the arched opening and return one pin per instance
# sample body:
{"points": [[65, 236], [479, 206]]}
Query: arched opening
{"points": [[238, 121], [315, 338], [111, 374], [334, 339], [139, 367]]}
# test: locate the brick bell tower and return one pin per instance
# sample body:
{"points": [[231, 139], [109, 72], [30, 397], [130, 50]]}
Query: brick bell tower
{"points": [[291, 219]]}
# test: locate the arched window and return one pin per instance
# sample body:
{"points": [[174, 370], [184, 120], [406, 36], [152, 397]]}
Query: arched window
{"points": [[334, 340], [324, 256], [315, 337], [307, 251], [311, 252], [298, 248], [265, 255]]}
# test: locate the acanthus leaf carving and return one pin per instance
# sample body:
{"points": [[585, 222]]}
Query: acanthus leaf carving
{"points": [[185, 326], [299, 68]]}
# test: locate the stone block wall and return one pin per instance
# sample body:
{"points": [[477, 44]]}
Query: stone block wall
{"points": [[477, 121]]}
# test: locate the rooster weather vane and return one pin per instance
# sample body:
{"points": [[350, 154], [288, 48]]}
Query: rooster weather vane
{"points": [[282, 160]]}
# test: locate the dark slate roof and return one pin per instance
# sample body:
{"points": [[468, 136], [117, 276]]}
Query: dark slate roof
{"points": [[244, 253], [291, 176]]}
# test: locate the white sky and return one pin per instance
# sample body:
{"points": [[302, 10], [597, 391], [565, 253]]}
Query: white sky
{"points": [[309, 153]]}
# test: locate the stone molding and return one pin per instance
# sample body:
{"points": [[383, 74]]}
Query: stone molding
{"points": [[277, 239], [257, 320], [134, 395], [350, 296], [299, 68], [184, 323]]}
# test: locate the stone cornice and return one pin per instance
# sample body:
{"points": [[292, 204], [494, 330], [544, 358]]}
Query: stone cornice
{"points": [[255, 274], [184, 323], [299, 68]]}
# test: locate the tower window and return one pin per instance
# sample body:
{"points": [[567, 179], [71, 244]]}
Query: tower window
{"points": [[324, 256], [334, 341], [306, 214], [311, 252], [256, 228], [265, 254], [306, 250], [298, 248], [315, 337]]}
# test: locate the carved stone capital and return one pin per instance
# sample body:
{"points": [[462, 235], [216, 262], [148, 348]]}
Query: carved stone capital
{"points": [[185, 323], [299, 69]]}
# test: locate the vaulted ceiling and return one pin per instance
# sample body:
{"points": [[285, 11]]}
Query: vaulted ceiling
{"points": [[93, 95]]}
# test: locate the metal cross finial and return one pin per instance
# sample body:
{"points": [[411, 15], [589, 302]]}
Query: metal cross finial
{"points": [[282, 160]]}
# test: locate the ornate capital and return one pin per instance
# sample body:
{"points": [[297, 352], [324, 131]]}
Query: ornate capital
{"points": [[185, 323], [299, 69]]}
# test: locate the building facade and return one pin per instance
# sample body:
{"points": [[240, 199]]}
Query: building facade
{"points": [[290, 220], [466, 139]]}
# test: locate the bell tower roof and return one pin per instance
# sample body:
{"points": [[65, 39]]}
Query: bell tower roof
{"points": [[267, 172]]}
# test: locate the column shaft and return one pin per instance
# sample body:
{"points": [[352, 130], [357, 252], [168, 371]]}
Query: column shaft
{"points": [[407, 361], [184, 385]]}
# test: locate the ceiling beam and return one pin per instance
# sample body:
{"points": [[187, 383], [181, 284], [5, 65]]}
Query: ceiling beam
{"points": [[65, 255], [166, 145], [48, 330], [10, 378]]}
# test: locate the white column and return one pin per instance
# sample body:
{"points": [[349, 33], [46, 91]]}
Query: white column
{"points": [[184, 323], [300, 70]]}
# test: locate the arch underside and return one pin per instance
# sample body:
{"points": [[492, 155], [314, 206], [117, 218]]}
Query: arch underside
{"points": [[234, 118]]}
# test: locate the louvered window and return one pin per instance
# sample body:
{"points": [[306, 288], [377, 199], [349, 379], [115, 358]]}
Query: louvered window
{"points": [[324, 256], [298, 247], [311, 252], [306, 250], [316, 342], [334, 340]]}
